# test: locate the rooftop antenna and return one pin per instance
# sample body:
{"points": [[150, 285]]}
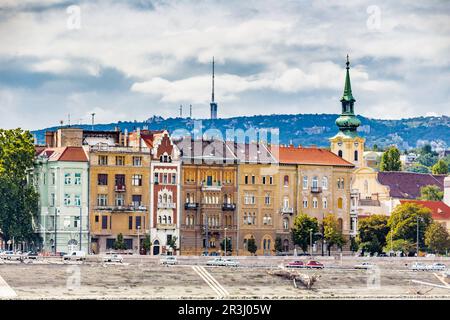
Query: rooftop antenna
{"points": [[93, 116], [212, 94], [213, 104], [61, 122], [190, 111], [68, 119], [181, 111]]}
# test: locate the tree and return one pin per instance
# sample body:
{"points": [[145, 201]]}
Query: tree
{"points": [[437, 238], [172, 243], [390, 160], [354, 244], [402, 245], [147, 243], [372, 232], [332, 232], [403, 222], [251, 246], [18, 199], [278, 244], [431, 193], [303, 226], [427, 159], [229, 245], [418, 168], [119, 244], [440, 167]]}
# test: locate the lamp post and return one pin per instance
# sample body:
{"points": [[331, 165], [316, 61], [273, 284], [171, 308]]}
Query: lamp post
{"points": [[139, 244], [81, 223], [417, 236], [310, 241], [225, 229]]}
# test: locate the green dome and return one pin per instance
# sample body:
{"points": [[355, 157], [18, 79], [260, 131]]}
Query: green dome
{"points": [[348, 122]]}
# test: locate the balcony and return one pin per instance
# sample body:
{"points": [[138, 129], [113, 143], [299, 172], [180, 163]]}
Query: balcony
{"points": [[119, 188], [228, 207], [166, 226], [212, 187], [191, 206], [166, 205], [121, 208], [287, 210], [316, 189]]}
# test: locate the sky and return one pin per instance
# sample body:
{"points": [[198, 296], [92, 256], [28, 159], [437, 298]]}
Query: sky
{"points": [[130, 60]]}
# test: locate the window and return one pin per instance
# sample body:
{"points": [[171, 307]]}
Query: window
{"points": [[285, 223], [119, 199], [325, 183], [253, 179], [78, 200], [67, 178], [75, 221], [315, 203], [263, 180], [164, 178], [267, 199], [270, 180], [120, 180], [315, 182], [137, 161], [130, 223], [137, 200], [52, 200], [324, 203], [174, 178], [136, 180], [67, 199], [102, 160], [246, 179], [305, 182], [285, 202], [340, 203], [356, 155], [340, 183], [138, 222], [286, 181], [96, 219], [77, 178], [102, 200], [340, 153], [249, 198], [156, 178], [305, 202], [120, 160], [102, 179], [104, 222], [53, 178]]}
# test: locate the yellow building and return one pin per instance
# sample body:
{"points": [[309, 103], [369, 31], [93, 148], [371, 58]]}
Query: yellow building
{"points": [[119, 195]]}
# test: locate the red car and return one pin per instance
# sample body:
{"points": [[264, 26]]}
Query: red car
{"points": [[295, 264], [314, 264]]}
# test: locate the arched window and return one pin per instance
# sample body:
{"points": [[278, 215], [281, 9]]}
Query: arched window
{"points": [[169, 198], [169, 219], [356, 155], [340, 153], [285, 223], [165, 198], [187, 220], [340, 224], [305, 202], [315, 202], [286, 245], [305, 182], [286, 180], [315, 182], [340, 203], [324, 203], [160, 198], [165, 219]]}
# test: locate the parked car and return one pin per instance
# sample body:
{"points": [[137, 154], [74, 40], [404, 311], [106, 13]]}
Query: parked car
{"points": [[364, 265], [417, 266], [169, 260], [75, 255], [32, 255], [437, 267], [113, 258], [11, 255], [231, 263], [313, 264], [295, 264], [383, 254], [216, 262]]}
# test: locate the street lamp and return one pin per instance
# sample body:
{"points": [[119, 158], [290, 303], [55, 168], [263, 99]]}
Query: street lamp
{"points": [[417, 236], [139, 244], [225, 229], [310, 241]]}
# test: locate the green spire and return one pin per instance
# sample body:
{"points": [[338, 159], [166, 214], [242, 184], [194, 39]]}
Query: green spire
{"points": [[348, 86]]}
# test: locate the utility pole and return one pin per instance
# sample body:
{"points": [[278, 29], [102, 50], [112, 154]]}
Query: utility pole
{"points": [[310, 242], [225, 229], [139, 244], [81, 224], [323, 231]]}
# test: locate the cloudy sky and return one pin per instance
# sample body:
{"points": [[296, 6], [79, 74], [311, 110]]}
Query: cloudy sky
{"points": [[127, 60]]}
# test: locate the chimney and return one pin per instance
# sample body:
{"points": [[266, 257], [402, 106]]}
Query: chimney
{"points": [[125, 138], [447, 190], [49, 138]]}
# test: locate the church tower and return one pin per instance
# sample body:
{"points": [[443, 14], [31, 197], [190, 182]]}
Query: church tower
{"points": [[213, 104], [346, 143]]}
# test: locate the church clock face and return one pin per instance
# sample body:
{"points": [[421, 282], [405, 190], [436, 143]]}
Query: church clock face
{"points": [[340, 143], [356, 144]]}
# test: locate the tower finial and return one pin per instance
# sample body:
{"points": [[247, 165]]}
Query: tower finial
{"points": [[348, 63], [212, 95]]}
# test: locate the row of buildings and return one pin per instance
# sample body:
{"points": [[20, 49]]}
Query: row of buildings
{"points": [[188, 195]]}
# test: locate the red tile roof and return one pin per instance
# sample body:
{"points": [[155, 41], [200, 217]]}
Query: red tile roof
{"points": [[439, 210], [406, 185], [70, 154], [311, 155]]}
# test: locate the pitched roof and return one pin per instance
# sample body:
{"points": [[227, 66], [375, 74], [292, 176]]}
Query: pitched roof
{"points": [[214, 151], [439, 210], [311, 155], [251, 152], [69, 154], [406, 185]]}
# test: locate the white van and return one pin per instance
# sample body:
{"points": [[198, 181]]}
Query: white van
{"points": [[75, 255]]}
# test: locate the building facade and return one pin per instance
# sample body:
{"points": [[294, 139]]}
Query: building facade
{"points": [[61, 179]]}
